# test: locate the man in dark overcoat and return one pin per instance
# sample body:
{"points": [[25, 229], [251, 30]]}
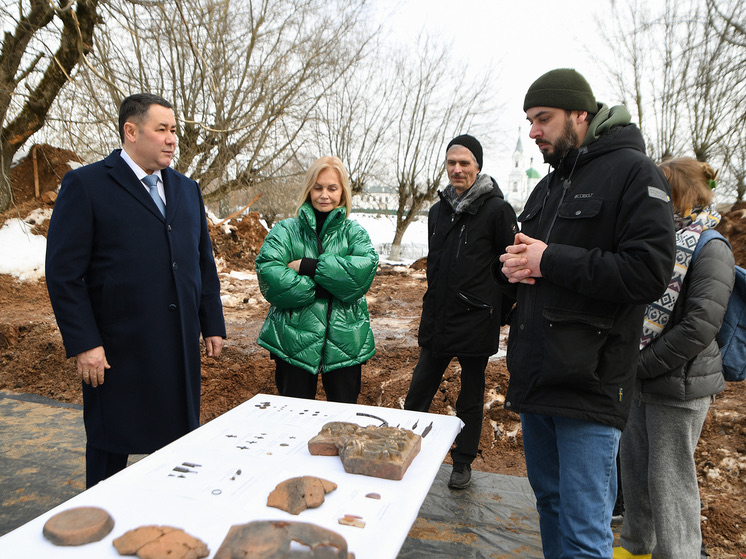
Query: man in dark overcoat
{"points": [[133, 283]]}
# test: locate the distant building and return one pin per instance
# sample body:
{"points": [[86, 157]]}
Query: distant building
{"points": [[376, 199], [522, 178]]}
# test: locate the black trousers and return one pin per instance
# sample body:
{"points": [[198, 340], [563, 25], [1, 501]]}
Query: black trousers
{"points": [[101, 464], [340, 385], [428, 373]]}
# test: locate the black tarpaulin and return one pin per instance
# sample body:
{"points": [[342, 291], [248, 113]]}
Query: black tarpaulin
{"points": [[494, 517]]}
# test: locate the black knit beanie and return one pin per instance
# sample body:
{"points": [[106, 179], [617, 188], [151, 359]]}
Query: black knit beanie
{"points": [[470, 143], [563, 88]]}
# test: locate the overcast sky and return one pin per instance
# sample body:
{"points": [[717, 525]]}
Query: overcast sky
{"points": [[521, 41]]}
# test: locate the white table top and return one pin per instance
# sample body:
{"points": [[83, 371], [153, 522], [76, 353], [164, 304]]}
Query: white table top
{"points": [[236, 461]]}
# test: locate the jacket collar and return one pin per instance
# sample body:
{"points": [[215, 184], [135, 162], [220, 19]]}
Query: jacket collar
{"points": [[123, 175], [308, 218], [471, 200]]}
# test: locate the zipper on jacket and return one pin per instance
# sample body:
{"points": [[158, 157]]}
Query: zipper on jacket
{"points": [[435, 227], [565, 187], [475, 303], [460, 233], [328, 315], [328, 308], [326, 336]]}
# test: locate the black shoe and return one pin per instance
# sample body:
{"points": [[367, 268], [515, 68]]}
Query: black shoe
{"points": [[460, 476]]}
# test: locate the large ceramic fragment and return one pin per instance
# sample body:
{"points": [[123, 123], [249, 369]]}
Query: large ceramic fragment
{"points": [[160, 542], [384, 452], [265, 539], [297, 494], [325, 443], [78, 526]]}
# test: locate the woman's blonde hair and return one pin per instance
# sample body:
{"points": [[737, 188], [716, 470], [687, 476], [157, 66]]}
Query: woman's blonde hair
{"points": [[312, 175], [690, 182]]}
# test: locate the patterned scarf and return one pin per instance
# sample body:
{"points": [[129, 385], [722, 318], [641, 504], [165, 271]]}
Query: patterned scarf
{"points": [[482, 184], [689, 227]]}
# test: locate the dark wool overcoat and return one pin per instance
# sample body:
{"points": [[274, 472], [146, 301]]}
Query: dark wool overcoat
{"points": [[122, 276]]}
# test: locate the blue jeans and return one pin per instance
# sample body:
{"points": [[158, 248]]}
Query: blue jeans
{"points": [[571, 466]]}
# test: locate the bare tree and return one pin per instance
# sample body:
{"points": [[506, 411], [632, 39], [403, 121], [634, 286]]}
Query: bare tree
{"points": [[432, 111], [715, 92], [685, 71], [729, 18], [245, 76], [644, 48], [354, 121], [47, 41], [733, 181]]}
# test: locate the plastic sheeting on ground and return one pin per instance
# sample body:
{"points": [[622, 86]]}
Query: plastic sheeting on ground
{"points": [[494, 517]]}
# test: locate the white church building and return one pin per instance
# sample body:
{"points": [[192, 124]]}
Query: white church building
{"points": [[522, 178]]}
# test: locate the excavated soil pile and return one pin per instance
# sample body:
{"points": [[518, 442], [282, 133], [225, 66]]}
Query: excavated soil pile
{"points": [[238, 248]]}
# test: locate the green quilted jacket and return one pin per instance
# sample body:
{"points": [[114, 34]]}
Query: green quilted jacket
{"points": [[317, 334]]}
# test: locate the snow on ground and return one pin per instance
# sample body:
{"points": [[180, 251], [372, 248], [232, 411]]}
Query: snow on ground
{"points": [[22, 252], [381, 230]]}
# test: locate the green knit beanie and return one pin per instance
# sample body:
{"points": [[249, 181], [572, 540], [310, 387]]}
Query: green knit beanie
{"points": [[563, 88]]}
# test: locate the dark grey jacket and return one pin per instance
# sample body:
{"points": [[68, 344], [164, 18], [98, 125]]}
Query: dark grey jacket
{"points": [[684, 361]]}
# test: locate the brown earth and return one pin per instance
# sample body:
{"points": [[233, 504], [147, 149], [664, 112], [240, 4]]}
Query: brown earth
{"points": [[32, 360]]}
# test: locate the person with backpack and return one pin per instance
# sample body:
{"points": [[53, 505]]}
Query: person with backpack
{"points": [[679, 371]]}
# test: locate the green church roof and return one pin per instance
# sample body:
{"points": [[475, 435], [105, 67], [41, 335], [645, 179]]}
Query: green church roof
{"points": [[532, 173]]}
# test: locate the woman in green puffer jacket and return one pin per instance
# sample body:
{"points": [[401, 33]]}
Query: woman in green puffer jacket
{"points": [[315, 269]]}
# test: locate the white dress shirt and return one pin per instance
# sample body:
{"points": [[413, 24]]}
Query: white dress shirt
{"points": [[141, 173]]}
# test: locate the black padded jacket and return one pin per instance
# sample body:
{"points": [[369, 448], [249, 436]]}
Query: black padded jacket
{"points": [[606, 216], [462, 306]]}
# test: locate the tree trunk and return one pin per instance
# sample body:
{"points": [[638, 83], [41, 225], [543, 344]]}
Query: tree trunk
{"points": [[6, 192], [404, 217], [76, 40], [395, 253]]}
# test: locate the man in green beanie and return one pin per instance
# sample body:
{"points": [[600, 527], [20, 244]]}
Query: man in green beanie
{"points": [[596, 245]]}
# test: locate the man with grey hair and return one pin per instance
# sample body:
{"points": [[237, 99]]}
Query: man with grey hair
{"points": [[469, 229]]}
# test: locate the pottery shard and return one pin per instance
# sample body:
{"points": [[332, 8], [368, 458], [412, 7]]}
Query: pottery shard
{"points": [[273, 539], [78, 526], [160, 542], [129, 542], [297, 494], [174, 545], [384, 452]]}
